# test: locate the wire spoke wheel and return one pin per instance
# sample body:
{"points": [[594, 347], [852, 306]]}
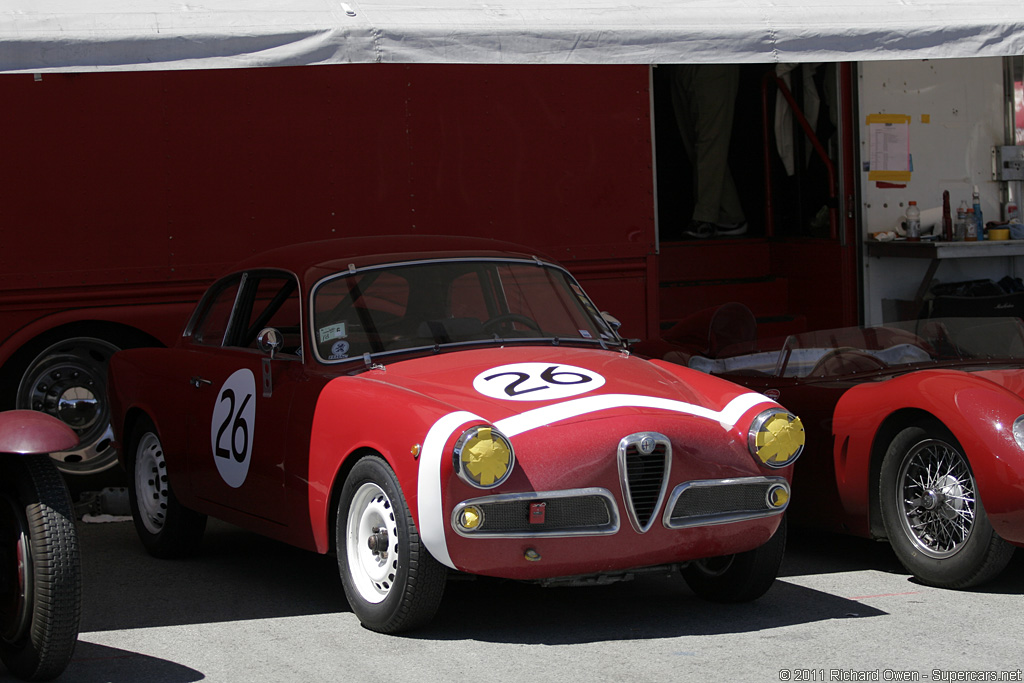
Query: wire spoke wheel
{"points": [[933, 513], [939, 498]]}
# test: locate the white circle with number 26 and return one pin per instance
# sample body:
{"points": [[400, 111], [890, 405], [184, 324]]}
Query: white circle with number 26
{"points": [[231, 429], [536, 381]]}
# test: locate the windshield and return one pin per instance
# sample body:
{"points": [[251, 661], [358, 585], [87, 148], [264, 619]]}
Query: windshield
{"points": [[443, 303], [853, 350]]}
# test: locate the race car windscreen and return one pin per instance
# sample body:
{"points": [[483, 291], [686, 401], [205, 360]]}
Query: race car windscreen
{"points": [[857, 350], [434, 304]]}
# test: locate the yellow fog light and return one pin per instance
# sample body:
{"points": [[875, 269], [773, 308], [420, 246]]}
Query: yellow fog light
{"points": [[483, 457], [776, 438], [778, 497], [470, 517]]}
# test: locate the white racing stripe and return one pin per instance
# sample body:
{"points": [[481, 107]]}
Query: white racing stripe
{"points": [[429, 485], [431, 512], [532, 419]]}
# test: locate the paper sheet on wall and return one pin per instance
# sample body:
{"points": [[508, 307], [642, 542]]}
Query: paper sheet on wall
{"points": [[889, 140]]}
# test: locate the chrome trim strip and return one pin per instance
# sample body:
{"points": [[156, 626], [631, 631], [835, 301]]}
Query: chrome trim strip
{"points": [[710, 520], [611, 528], [624, 444]]}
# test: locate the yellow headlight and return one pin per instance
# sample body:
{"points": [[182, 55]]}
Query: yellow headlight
{"points": [[776, 438], [483, 457]]}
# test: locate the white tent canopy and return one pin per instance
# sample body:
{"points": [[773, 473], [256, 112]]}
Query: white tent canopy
{"points": [[105, 35]]}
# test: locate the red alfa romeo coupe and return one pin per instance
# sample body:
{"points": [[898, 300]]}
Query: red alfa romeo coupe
{"points": [[423, 407]]}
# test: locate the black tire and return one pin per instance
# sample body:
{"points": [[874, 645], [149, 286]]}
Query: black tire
{"points": [[396, 589], [935, 521], [68, 379], [167, 528], [40, 596], [738, 578]]}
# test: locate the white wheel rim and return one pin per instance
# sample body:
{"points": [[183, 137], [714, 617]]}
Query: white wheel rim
{"points": [[372, 571], [151, 482]]}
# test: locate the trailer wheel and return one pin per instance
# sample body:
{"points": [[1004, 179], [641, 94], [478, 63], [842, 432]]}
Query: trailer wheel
{"points": [[69, 381], [40, 569]]}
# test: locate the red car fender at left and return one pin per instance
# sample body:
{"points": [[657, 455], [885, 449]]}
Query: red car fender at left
{"points": [[978, 412], [356, 413]]}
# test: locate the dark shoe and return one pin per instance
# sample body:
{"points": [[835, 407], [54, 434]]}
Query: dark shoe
{"points": [[702, 230], [731, 230]]}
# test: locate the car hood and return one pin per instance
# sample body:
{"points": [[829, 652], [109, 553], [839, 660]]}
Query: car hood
{"points": [[497, 384], [1011, 379]]}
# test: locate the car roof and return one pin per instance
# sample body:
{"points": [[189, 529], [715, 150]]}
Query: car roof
{"points": [[313, 260]]}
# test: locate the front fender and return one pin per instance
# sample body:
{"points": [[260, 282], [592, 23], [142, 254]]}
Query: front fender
{"points": [[978, 412], [28, 432], [355, 415]]}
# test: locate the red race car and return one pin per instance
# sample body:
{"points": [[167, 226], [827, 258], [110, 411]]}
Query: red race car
{"points": [[426, 405], [915, 430]]}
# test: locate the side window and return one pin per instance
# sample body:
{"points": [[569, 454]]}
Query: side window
{"points": [[271, 301], [212, 324]]}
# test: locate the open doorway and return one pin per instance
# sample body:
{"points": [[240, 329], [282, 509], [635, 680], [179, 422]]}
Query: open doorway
{"points": [[795, 264]]}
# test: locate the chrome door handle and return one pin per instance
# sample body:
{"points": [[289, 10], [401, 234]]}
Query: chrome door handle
{"points": [[199, 381]]}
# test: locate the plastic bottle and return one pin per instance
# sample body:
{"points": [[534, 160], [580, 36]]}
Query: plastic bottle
{"points": [[913, 223], [971, 234], [960, 227], [976, 199], [1012, 214]]}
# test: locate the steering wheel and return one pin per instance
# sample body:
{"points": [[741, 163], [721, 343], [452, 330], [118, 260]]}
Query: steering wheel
{"points": [[845, 360], [507, 318]]}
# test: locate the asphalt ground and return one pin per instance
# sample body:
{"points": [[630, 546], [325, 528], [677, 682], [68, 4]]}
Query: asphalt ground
{"points": [[251, 609]]}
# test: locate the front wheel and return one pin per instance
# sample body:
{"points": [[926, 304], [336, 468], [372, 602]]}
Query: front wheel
{"points": [[166, 527], [933, 514], [391, 581], [741, 577], [40, 569]]}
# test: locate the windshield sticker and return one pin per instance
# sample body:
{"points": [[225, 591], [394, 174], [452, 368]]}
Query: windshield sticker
{"points": [[336, 331], [231, 427], [339, 350], [536, 381], [585, 334]]}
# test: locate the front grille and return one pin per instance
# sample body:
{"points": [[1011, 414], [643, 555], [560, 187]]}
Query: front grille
{"points": [[644, 460], [579, 512], [718, 501]]}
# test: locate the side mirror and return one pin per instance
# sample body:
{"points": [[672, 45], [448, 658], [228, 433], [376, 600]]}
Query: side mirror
{"points": [[269, 340], [612, 321]]}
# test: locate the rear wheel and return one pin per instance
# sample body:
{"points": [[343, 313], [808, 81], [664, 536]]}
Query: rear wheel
{"points": [[741, 577], [40, 569], [166, 527], [391, 581], [933, 514]]}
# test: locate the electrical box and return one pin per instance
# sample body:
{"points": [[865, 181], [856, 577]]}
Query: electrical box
{"points": [[1008, 163]]}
